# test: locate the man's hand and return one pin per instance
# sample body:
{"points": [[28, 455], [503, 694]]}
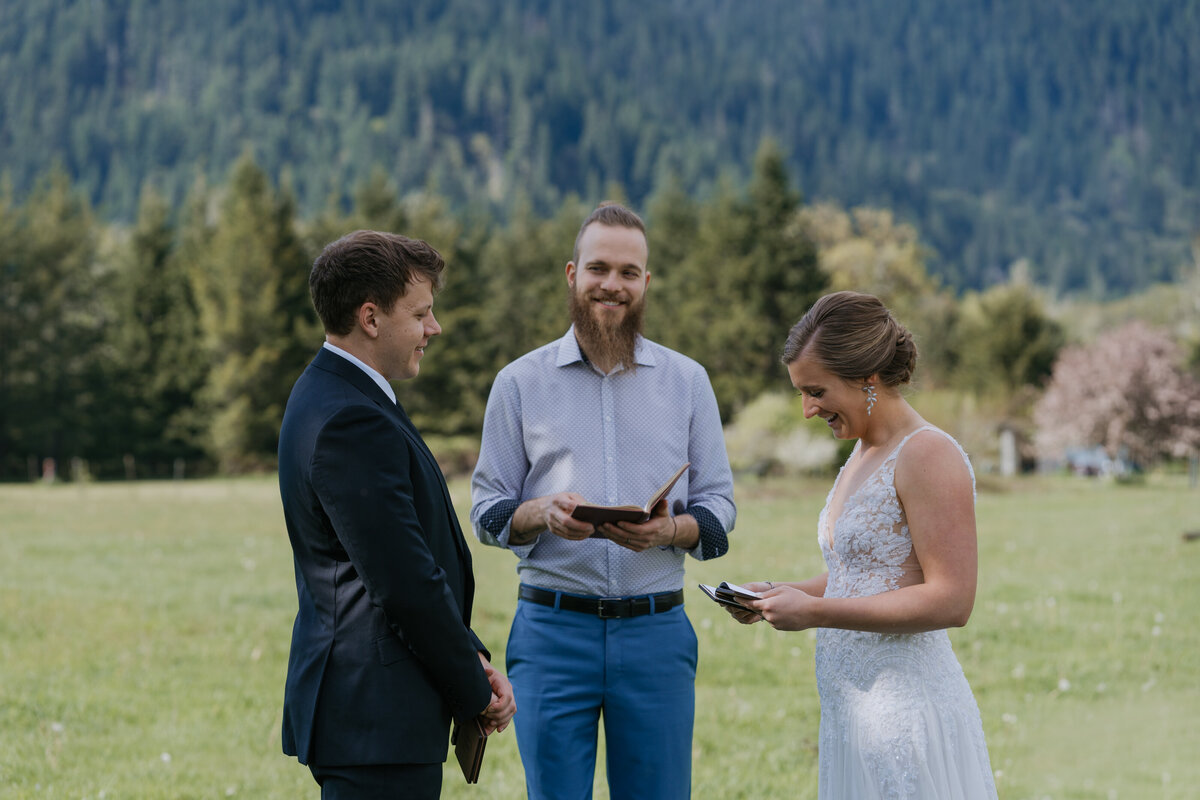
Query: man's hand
{"points": [[503, 705], [550, 513], [661, 530]]}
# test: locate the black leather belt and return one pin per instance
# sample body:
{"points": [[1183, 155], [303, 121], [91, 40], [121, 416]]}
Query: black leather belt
{"points": [[604, 607]]}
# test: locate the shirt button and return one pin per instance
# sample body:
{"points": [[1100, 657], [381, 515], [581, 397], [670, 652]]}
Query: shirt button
{"points": [[610, 459]]}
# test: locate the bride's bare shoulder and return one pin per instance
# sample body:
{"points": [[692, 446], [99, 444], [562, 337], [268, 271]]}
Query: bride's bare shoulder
{"points": [[931, 454]]}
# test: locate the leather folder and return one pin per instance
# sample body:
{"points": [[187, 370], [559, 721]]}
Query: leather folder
{"points": [[469, 741]]}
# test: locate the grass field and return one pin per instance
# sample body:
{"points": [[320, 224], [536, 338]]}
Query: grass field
{"points": [[144, 632]]}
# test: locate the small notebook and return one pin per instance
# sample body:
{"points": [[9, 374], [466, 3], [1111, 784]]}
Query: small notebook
{"points": [[469, 741], [730, 594]]}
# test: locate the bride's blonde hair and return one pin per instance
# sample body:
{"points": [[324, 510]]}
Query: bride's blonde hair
{"points": [[854, 336]]}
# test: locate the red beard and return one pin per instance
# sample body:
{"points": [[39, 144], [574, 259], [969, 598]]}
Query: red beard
{"points": [[605, 342]]}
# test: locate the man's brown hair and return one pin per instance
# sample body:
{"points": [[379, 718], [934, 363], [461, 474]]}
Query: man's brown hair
{"points": [[368, 266], [612, 214]]}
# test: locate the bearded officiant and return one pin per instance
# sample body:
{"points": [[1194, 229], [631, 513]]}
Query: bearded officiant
{"points": [[603, 415]]}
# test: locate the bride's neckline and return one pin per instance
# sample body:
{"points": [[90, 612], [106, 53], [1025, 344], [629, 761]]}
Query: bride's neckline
{"points": [[829, 528]]}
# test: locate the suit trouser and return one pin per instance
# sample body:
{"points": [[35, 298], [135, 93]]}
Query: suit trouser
{"points": [[567, 668], [379, 782]]}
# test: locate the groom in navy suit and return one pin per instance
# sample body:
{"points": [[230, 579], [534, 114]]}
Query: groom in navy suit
{"points": [[382, 653]]}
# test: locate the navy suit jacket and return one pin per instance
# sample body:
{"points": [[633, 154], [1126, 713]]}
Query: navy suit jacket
{"points": [[382, 652]]}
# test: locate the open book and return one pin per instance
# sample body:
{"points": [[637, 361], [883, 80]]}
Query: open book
{"points": [[600, 514], [730, 594]]}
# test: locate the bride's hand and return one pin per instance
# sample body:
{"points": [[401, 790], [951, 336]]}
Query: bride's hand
{"points": [[744, 617], [786, 608]]}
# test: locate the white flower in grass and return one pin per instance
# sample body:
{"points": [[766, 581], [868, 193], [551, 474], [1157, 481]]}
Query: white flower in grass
{"points": [[1116, 598], [1156, 631], [1064, 685], [1018, 671], [166, 758], [1159, 617]]}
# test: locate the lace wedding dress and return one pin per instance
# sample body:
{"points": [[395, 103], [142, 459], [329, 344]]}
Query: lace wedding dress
{"points": [[898, 719]]}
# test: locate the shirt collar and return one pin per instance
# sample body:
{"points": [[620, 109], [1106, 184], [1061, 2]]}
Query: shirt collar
{"points": [[569, 352], [372, 373]]}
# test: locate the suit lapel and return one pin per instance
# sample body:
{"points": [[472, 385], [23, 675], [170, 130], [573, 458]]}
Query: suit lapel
{"points": [[410, 431]]}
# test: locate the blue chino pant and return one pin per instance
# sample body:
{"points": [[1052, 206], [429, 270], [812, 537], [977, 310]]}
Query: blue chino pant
{"points": [[568, 669]]}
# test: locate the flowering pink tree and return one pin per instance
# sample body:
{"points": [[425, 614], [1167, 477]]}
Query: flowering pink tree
{"points": [[1127, 392]]}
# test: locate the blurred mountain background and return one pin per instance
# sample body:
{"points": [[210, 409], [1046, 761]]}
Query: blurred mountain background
{"points": [[1059, 134]]}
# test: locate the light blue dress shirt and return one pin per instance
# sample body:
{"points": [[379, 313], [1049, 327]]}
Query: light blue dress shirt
{"points": [[555, 423]]}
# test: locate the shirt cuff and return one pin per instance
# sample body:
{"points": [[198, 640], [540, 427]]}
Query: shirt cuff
{"points": [[714, 543], [497, 522]]}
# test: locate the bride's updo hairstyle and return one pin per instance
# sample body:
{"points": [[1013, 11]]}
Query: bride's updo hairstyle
{"points": [[854, 336]]}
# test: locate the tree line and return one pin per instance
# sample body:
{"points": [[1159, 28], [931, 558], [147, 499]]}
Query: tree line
{"points": [[173, 342], [1058, 133]]}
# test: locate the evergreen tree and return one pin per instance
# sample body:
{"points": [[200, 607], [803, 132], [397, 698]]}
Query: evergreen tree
{"points": [[672, 228], [158, 367], [714, 313], [13, 386], [53, 299], [784, 278], [256, 320]]}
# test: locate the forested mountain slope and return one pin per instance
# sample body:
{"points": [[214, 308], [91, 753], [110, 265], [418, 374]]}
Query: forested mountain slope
{"points": [[1061, 132]]}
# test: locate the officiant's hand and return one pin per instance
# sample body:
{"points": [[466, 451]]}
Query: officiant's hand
{"points": [[503, 706], [549, 513], [638, 536], [661, 530], [785, 608]]}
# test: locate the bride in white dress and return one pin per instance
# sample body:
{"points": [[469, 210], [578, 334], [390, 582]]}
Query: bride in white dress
{"points": [[898, 719]]}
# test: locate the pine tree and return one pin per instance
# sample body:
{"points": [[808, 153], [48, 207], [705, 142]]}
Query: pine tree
{"points": [[257, 324], [53, 298], [157, 364]]}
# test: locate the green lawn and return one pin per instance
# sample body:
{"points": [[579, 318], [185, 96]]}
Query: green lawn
{"points": [[144, 632]]}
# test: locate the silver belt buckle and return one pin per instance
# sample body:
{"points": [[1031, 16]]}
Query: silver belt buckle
{"points": [[604, 604]]}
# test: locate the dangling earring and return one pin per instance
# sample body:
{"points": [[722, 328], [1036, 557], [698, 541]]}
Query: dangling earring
{"points": [[871, 397]]}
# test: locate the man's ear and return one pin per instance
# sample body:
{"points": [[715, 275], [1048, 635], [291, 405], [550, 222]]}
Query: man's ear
{"points": [[571, 274], [368, 320]]}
